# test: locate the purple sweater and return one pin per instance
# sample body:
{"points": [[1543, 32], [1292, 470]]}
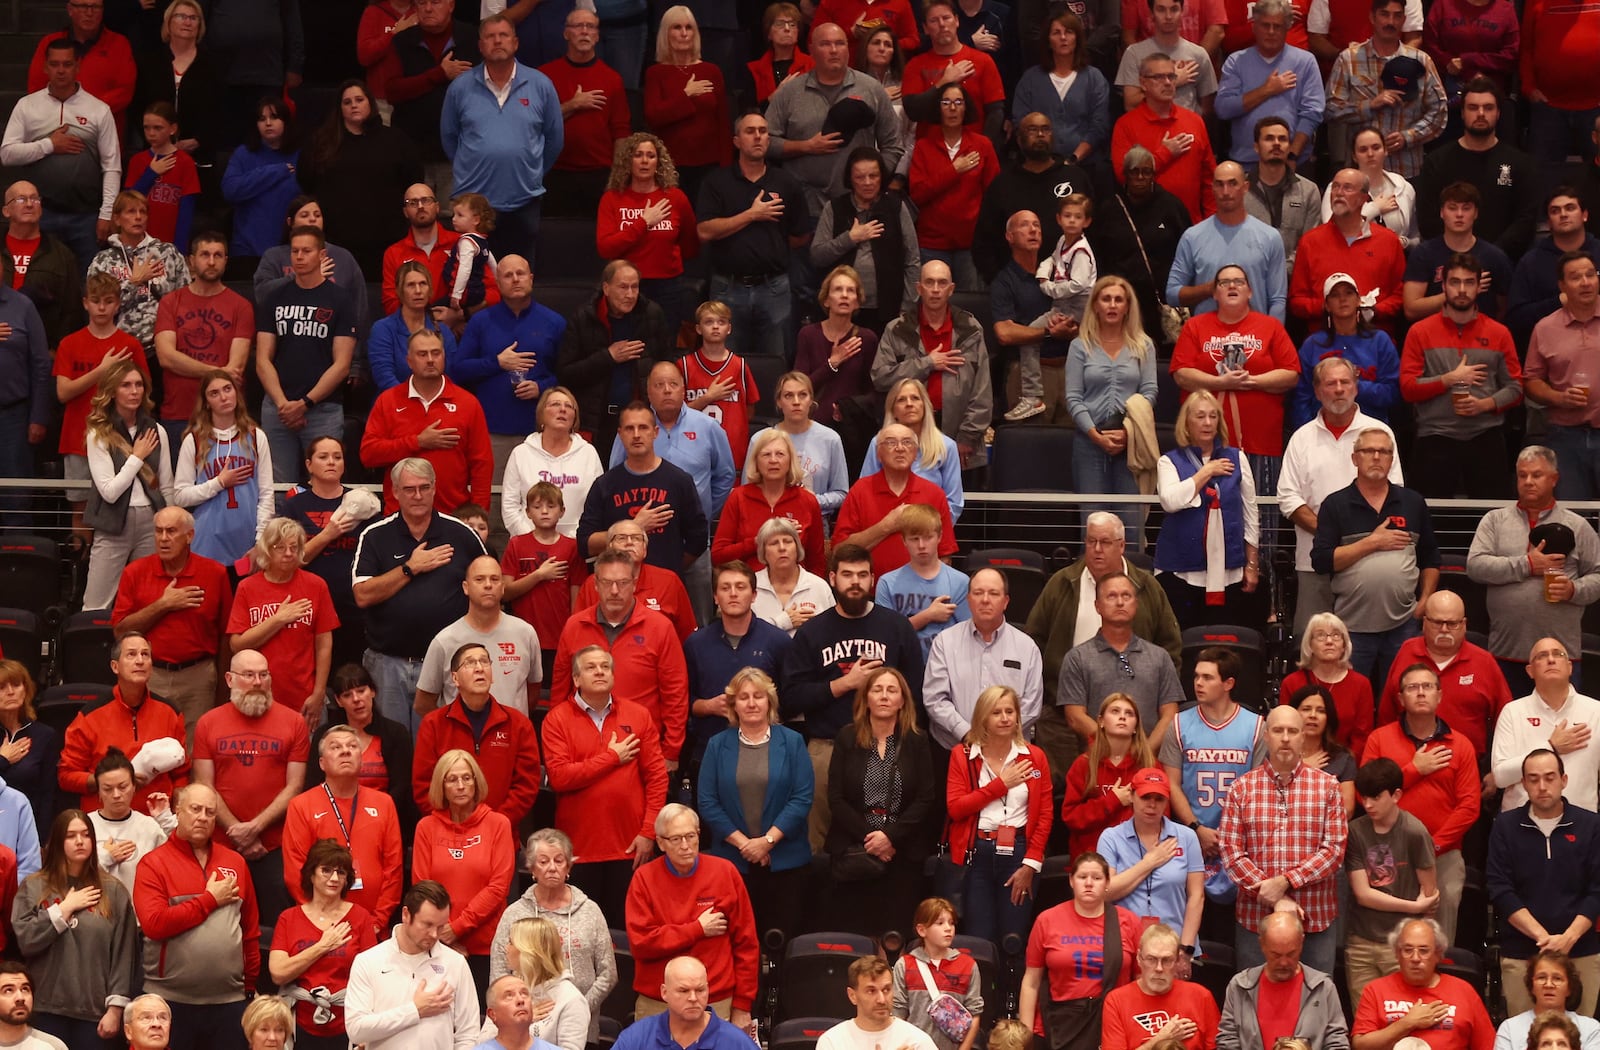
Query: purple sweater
{"points": [[1484, 38]]}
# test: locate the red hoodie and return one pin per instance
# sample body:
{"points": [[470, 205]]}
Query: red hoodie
{"points": [[474, 861], [508, 754], [1559, 45], [1087, 813]]}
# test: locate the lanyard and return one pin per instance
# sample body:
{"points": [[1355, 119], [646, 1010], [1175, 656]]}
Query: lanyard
{"points": [[343, 828]]}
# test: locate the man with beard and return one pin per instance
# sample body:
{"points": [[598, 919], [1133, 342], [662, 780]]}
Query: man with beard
{"points": [[201, 326], [1279, 196], [1348, 243], [1036, 183], [1461, 371], [16, 1010], [253, 752], [834, 652], [1506, 177], [1015, 299], [427, 241], [196, 905]]}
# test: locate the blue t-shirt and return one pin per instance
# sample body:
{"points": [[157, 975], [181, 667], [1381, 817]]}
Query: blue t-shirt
{"points": [[1164, 893], [908, 593]]}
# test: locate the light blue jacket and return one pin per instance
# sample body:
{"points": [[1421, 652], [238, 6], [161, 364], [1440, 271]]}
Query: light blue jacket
{"points": [[1301, 106], [790, 786], [18, 830], [501, 152]]}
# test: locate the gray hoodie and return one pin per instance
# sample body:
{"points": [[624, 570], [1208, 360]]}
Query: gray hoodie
{"points": [[591, 963]]}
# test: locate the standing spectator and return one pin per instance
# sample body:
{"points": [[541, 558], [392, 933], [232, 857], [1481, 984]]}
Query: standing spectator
{"points": [[1461, 371], [166, 175], [1349, 244], [217, 909], [305, 341], [1271, 79], [427, 51], [594, 117], [1080, 114], [1159, 867], [951, 166], [175, 70], [645, 486], [870, 514], [988, 649], [105, 58], [71, 155], [1375, 539], [608, 777], [149, 269], [1174, 134], [131, 468], [260, 181], [408, 992], [645, 218], [427, 241], [1230, 237], [1086, 929], [685, 100], [39, 264], [881, 245], [1424, 288], [201, 327], [555, 452], [503, 151], [1347, 335], [1015, 302], [332, 529], [387, 339], [780, 28], [1467, 39], [30, 750], [818, 449], [1282, 837], [123, 724], [1506, 179], [1522, 577], [285, 612], [315, 943], [1533, 292], [1387, 83], [1418, 998], [1139, 238], [381, 745], [1391, 199], [688, 1012], [1551, 981], [276, 269], [1037, 182], [1188, 33], [774, 488], [608, 349], [974, 72], [1130, 1010], [367, 829], [786, 594], [1562, 99], [1557, 376], [252, 752], [958, 974], [1097, 668], [224, 470], [518, 668], [1099, 787], [124, 837], [836, 354], [1554, 716]]}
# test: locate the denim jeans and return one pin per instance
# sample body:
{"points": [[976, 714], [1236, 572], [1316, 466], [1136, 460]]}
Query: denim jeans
{"points": [[1371, 652], [396, 678], [289, 447], [1095, 470], [1577, 452], [622, 48], [986, 908], [761, 315], [76, 232]]}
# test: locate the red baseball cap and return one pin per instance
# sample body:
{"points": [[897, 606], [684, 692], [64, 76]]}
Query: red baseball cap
{"points": [[1151, 782]]}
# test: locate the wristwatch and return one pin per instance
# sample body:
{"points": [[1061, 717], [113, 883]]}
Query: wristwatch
{"points": [[405, 570], [1194, 825], [771, 841]]}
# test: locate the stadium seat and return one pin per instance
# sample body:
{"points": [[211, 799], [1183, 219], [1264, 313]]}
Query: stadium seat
{"points": [[1053, 885], [1467, 965], [1032, 457], [619, 1001], [1244, 641], [799, 1033], [59, 705], [813, 980], [992, 970], [85, 648], [21, 638], [610, 1028], [1215, 968], [30, 572], [1025, 576]]}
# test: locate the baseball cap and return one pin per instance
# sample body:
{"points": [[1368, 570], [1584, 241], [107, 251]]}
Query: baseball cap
{"points": [[1151, 782], [1404, 74], [1335, 280]]}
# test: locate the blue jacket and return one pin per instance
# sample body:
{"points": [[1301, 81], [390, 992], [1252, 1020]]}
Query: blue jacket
{"points": [[259, 184], [502, 153], [25, 361], [386, 350], [18, 830], [1377, 374], [537, 330], [790, 786], [1554, 877]]}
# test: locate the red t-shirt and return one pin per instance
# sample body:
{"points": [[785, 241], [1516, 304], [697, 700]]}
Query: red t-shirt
{"points": [[182, 180], [291, 653], [22, 251], [294, 933], [79, 354], [732, 414], [252, 757], [985, 86], [1254, 417], [1466, 1025], [206, 326], [374, 771], [1278, 1007], [1132, 1018], [549, 604], [1072, 951]]}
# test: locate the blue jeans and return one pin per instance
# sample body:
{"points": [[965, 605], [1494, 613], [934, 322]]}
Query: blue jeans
{"points": [[1577, 452], [1371, 652], [16, 459], [516, 232], [1094, 470], [986, 908], [396, 678], [289, 447], [1318, 952], [1550, 135], [761, 315], [76, 232], [622, 48]]}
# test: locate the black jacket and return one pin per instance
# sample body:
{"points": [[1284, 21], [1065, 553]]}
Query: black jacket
{"points": [[418, 117], [1017, 189], [912, 829], [584, 365]]}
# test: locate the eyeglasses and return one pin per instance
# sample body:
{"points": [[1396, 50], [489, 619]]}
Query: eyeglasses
{"points": [[475, 661], [1420, 687], [1449, 625], [1127, 668], [785, 23], [185, 16], [416, 490], [1165, 77], [252, 676], [1232, 282], [892, 443], [1157, 962], [952, 103], [681, 840], [417, 202], [1375, 452], [24, 198]]}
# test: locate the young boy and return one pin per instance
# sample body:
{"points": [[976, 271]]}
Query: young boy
{"points": [[476, 518], [927, 592], [1066, 276], [543, 570], [717, 381], [81, 359], [1390, 862]]}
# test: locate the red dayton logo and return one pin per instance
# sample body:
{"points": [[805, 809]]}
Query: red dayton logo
{"points": [[324, 315]]}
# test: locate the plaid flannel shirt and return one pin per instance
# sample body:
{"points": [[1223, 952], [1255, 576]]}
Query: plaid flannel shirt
{"points": [[1357, 79], [1295, 829]]}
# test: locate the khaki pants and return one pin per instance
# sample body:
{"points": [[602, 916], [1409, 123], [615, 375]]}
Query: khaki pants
{"points": [[821, 752], [644, 1006], [1518, 1000], [1364, 962], [193, 691], [1450, 871]]}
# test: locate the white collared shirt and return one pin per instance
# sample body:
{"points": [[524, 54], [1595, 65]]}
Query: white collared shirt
{"points": [[1525, 725], [1010, 809]]}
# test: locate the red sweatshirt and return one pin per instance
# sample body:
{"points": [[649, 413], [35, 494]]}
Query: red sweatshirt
{"points": [[474, 861], [1446, 801], [171, 902], [949, 199], [115, 724], [649, 668], [1087, 813], [765, 78], [508, 754], [746, 510], [590, 135], [1188, 176], [964, 801], [1559, 45], [465, 472], [659, 591], [1376, 260], [664, 922], [375, 42], [601, 803], [896, 14], [657, 251], [1472, 690], [694, 129], [374, 844]]}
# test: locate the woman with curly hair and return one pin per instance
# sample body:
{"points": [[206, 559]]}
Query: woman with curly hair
{"points": [[132, 474], [645, 218], [224, 472]]}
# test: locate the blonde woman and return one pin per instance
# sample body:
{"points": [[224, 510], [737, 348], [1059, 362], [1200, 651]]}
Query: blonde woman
{"points": [[1325, 661], [131, 470], [534, 953], [1111, 361], [224, 472], [938, 460], [823, 468], [1099, 790], [774, 488], [183, 74], [685, 100], [286, 613], [269, 1024]]}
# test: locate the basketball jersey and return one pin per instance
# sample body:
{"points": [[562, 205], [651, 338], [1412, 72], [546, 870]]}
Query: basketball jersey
{"points": [[732, 414], [225, 525], [1214, 756]]}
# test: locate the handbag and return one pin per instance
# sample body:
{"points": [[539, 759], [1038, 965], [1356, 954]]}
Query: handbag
{"points": [[855, 864], [949, 1014], [1173, 318], [1074, 1024]]}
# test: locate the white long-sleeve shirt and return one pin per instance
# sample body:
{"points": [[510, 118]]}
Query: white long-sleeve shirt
{"points": [[1317, 464], [1183, 494], [38, 115], [1525, 725], [190, 493], [112, 483], [378, 1007]]}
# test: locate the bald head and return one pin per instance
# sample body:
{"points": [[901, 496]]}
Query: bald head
{"points": [[22, 209], [515, 277]]}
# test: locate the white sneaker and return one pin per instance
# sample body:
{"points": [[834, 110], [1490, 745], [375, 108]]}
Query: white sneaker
{"points": [[1024, 410]]}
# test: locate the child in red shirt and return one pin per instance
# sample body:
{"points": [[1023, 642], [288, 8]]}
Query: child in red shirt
{"points": [[543, 570], [81, 360], [717, 381], [167, 176]]}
